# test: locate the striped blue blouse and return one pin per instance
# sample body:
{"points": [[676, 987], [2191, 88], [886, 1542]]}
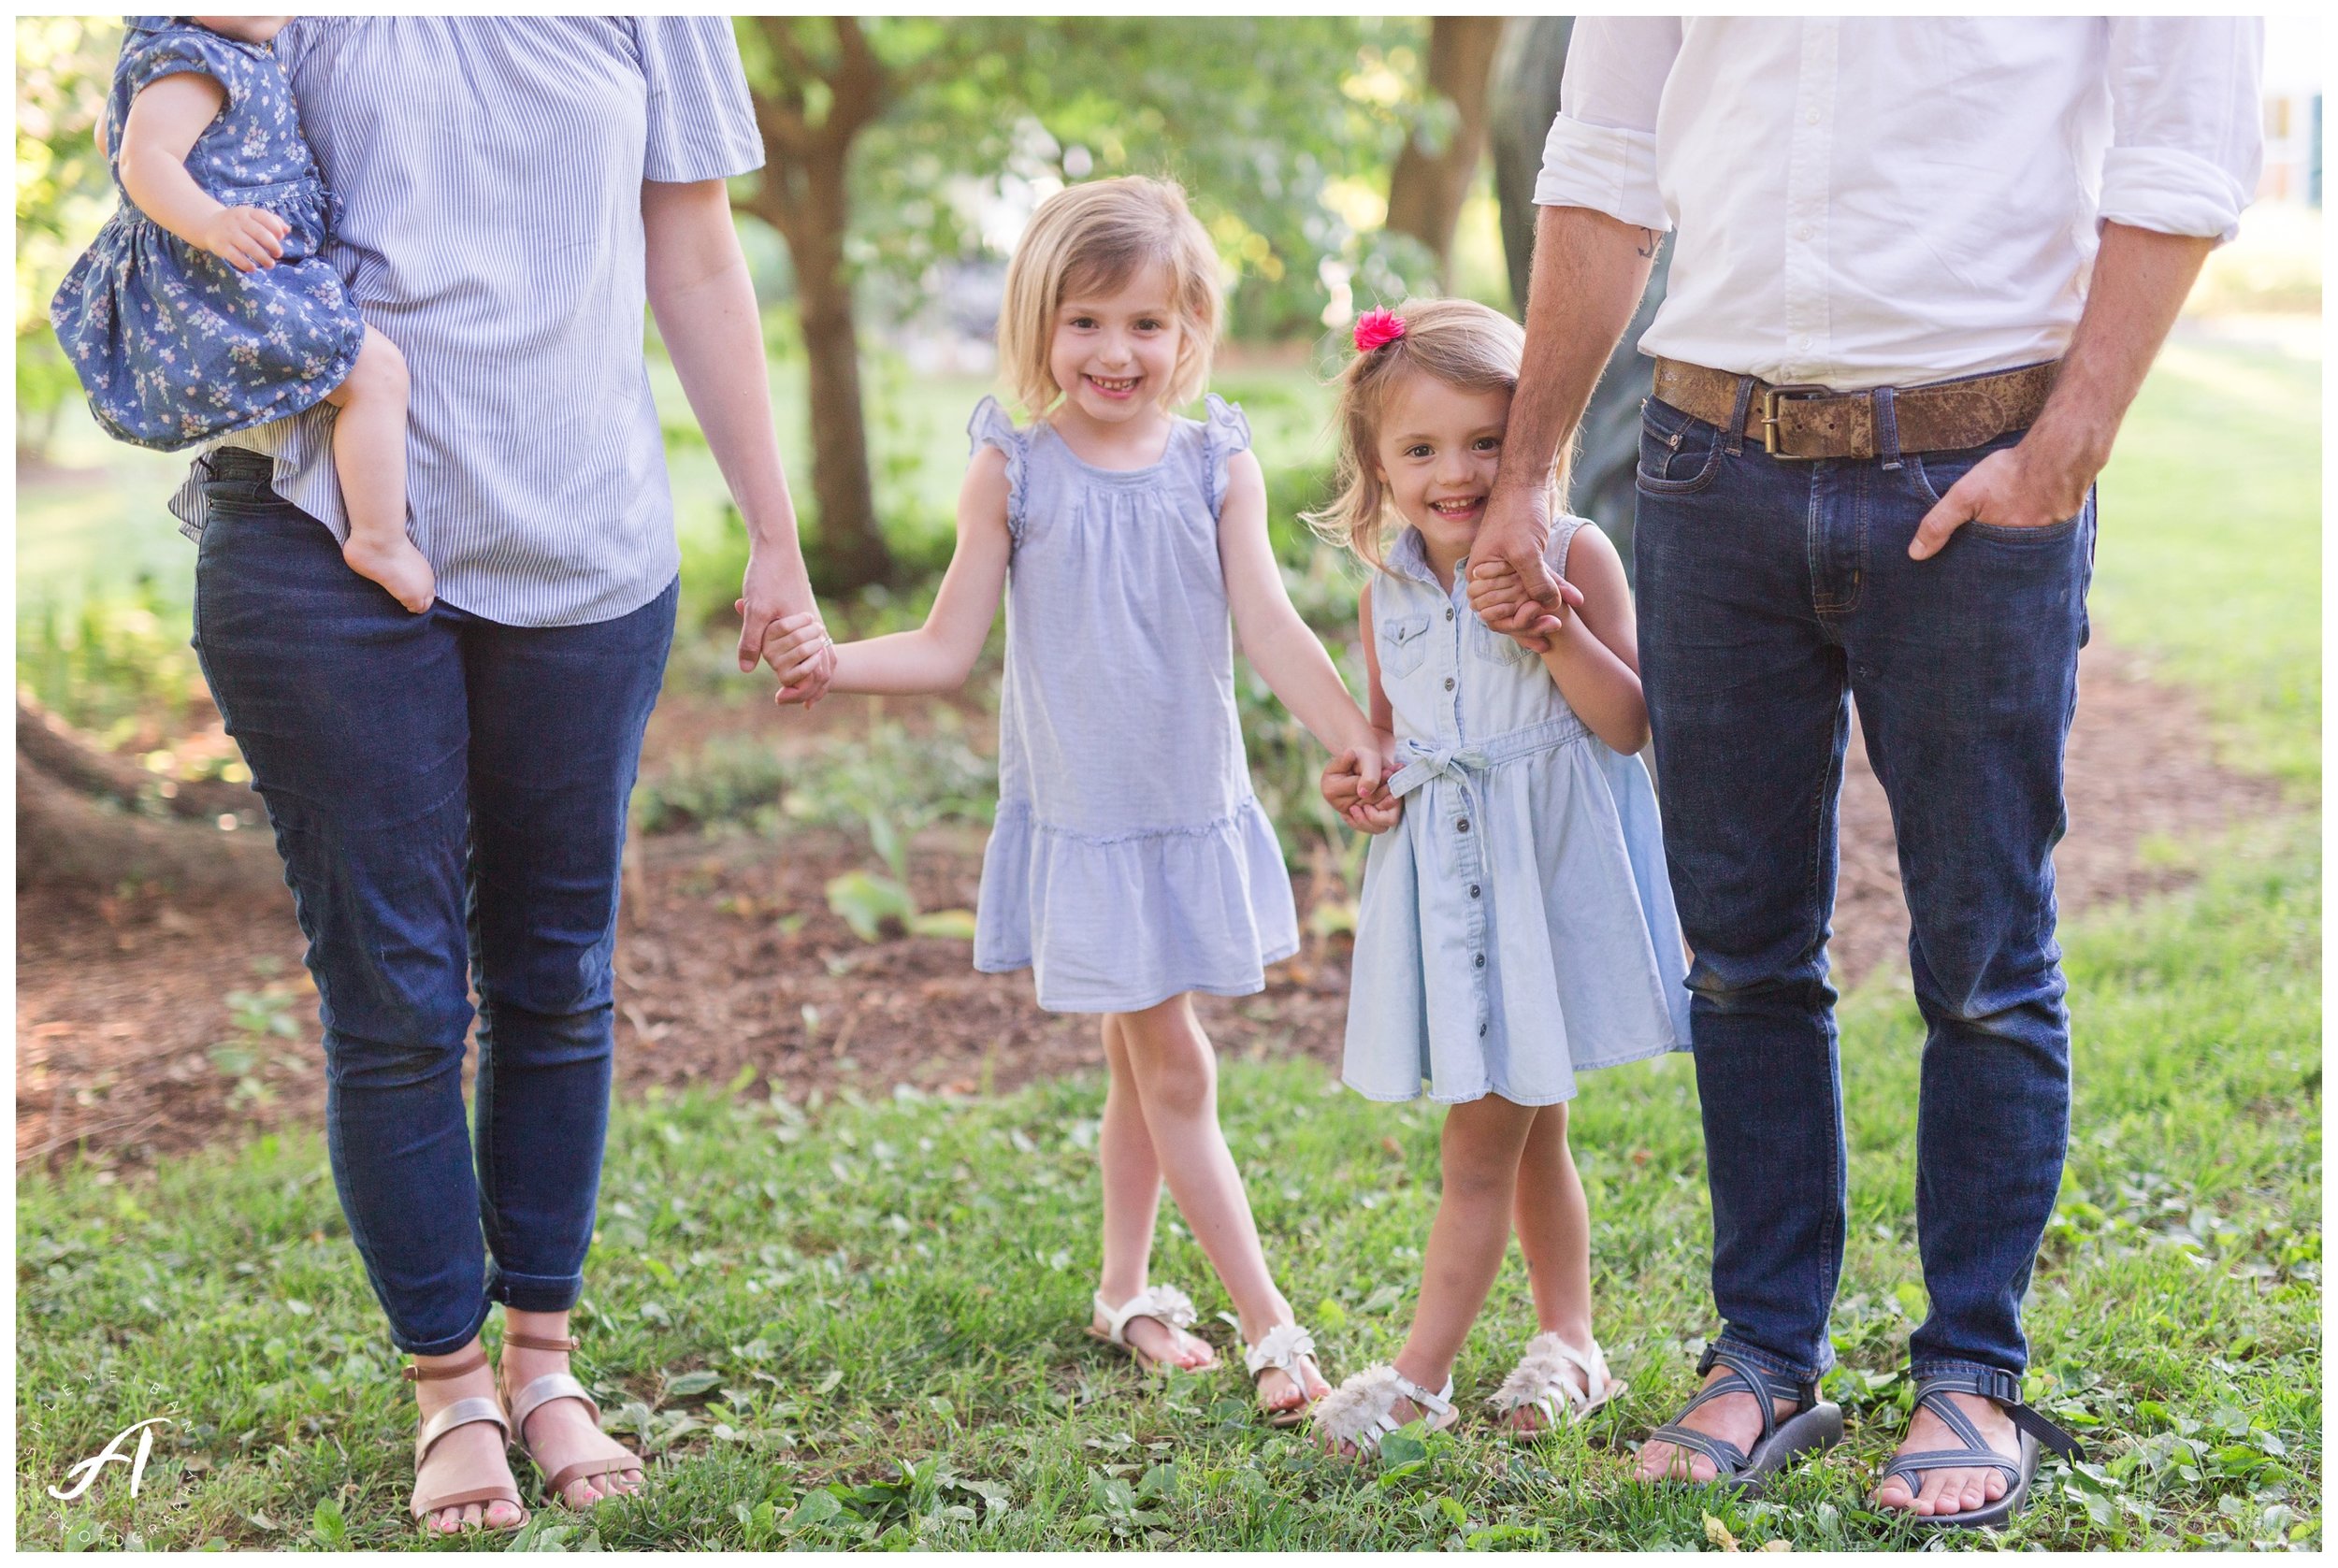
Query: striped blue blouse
{"points": [[489, 171]]}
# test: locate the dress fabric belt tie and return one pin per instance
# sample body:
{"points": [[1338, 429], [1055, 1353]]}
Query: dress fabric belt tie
{"points": [[1463, 762]]}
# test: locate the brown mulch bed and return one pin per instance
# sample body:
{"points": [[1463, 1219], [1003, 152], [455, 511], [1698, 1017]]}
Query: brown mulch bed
{"points": [[730, 961]]}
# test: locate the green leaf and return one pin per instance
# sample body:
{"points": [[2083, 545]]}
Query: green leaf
{"points": [[330, 1526], [865, 902], [817, 1508], [958, 925], [691, 1384]]}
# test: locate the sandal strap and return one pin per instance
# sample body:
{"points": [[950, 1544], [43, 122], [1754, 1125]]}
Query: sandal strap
{"points": [[1435, 1405], [1278, 1349], [1728, 1459], [538, 1341], [1749, 1377], [1910, 1466], [1536, 1382], [2002, 1389], [541, 1391], [462, 1413], [586, 1470], [415, 1373], [1164, 1303]]}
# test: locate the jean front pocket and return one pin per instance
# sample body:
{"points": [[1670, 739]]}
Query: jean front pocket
{"points": [[1678, 453], [1404, 642]]}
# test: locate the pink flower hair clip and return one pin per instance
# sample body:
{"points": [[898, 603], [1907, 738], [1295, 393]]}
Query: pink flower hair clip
{"points": [[1377, 329]]}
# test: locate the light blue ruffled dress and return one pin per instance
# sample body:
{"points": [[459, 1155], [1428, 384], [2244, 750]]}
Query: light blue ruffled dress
{"points": [[1516, 927], [1130, 860]]}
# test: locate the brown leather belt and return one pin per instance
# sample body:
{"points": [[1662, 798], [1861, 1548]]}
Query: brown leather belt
{"points": [[1810, 422]]}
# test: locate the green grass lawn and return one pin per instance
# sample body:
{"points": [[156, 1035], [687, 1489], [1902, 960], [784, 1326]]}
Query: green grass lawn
{"points": [[851, 1323]]}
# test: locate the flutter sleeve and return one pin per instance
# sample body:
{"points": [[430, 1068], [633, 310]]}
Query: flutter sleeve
{"points": [[702, 123], [148, 55], [1224, 432], [991, 426]]}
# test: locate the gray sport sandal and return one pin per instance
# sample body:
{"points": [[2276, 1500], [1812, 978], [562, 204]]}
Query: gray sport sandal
{"points": [[1818, 1424], [2003, 1389]]}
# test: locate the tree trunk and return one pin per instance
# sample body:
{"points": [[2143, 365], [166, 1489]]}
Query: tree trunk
{"points": [[1430, 181], [79, 822], [851, 552]]}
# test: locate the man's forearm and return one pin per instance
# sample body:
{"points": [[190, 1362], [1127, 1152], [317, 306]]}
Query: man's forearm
{"points": [[1590, 270], [2141, 279]]}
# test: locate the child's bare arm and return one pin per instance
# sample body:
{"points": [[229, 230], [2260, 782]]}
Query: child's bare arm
{"points": [[1342, 781], [938, 655], [165, 122], [1595, 656]]}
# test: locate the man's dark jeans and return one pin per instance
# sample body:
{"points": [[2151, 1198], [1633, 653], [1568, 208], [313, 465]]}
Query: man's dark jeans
{"points": [[449, 795], [1770, 590]]}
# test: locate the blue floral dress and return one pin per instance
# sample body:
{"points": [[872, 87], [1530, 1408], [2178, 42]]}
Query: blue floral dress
{"points": [[173, 344]]}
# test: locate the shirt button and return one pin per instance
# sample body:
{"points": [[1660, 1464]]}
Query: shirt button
{"points": [[1482, 960], [1448, 612], [1481, 1032], [1473, 889], [1449, 683], [1803, 233], [1462, 825], [1809, 117], [1801, 342]]}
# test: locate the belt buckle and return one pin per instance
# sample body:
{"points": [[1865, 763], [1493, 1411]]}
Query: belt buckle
{"points": [[1776, 397]]}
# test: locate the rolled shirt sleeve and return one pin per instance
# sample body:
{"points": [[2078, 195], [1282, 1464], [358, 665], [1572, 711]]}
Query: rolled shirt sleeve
{"points": [[2187, 142], [1601, 152], [702, 122]]}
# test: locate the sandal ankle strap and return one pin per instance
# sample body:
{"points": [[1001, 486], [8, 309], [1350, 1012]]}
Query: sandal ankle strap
{"points": [[2002, 1389], [414, 1373], [538, 1341]]}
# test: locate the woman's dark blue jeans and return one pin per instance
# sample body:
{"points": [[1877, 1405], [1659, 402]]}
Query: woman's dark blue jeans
{"points": [[449, 797], [1770, 592]]}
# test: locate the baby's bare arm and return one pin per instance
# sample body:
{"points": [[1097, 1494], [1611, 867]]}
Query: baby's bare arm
{"points": [[166, 119]]}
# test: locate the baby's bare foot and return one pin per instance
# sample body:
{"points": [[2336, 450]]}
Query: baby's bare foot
{"points": [[394, 564]]}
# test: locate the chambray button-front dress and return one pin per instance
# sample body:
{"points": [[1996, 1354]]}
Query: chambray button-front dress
{"points": [[1516, 927], [1130, 860], [173, 344]]}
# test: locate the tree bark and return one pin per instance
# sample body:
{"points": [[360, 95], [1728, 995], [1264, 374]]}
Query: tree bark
{"points": [[82, 819], [805, 196], [1430, 182]]}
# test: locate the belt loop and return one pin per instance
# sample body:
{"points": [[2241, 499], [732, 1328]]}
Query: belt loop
{"points": [[1735, 446], [1883, 400]]}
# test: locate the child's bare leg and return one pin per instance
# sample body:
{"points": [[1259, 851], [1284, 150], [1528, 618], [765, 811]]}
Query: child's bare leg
{"points": [[1554, 1233], [1131, 1178], [370, 455], [1176, 1080], [1478, 1159]]}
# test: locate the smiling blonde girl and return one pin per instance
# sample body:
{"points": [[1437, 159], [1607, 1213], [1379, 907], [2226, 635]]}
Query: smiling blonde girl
{"points": [[1515, 927], [1130, 865]]}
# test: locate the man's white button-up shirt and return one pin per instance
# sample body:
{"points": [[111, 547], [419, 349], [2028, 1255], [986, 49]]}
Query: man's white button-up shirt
{"points": [[1880, 202]]}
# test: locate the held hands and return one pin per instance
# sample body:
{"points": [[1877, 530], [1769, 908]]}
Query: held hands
{"points": [[774, 591], [1511, 587], [2027, 485], [801, 655], [245, 237], [1355, 783]]}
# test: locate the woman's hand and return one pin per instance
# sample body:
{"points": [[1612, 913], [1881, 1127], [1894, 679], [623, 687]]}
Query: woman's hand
{"points": [[801, 655], [245, 237]]}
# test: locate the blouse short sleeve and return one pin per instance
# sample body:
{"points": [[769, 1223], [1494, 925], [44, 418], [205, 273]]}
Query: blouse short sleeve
{"points": [[991, 426], [1224, 432], [702, 123], [152, 53]]}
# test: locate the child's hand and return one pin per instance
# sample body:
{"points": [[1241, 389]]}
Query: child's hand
{"points": [[1496, 591], [245, 237], [1369, 811], [795, 645]]}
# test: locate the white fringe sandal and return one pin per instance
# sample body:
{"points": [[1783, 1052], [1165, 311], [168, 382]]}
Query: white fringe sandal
{"points": [[1561, 1383], [1362, 1411], [1164, 1304]]}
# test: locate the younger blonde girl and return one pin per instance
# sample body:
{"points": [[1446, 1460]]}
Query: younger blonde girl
{"points": [[1131, 867], [1516, 927]]}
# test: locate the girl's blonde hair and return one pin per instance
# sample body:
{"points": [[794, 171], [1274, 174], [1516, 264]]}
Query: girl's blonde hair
{"points": [[1458, 341], [1098, 235]]}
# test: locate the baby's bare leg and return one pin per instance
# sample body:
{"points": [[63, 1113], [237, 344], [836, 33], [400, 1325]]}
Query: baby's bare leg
{"points": [[370, 455]]}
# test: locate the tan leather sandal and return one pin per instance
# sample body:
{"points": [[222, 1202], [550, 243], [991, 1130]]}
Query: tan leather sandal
{"points": [[462, 1413], [541, 1391]]}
